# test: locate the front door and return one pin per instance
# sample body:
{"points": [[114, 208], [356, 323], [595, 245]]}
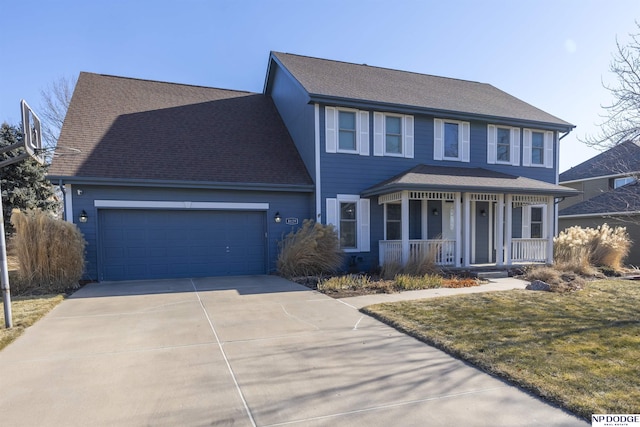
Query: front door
{"points": [[482, 227]]}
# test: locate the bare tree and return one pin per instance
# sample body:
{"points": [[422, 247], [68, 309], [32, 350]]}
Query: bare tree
{"points": [[53, 108], [622, 116]]}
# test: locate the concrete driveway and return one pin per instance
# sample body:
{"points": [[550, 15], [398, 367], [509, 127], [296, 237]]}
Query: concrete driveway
{"points": [[241, 351]]}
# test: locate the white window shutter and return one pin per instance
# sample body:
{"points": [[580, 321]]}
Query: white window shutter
{"points": [[365, 239], [548, 149], [438, 139], [331, 129], [515, 146], [408, 137], [378, 134], [363, 132], [332, 212], [526, 148], [492, 143], [466, 141]]}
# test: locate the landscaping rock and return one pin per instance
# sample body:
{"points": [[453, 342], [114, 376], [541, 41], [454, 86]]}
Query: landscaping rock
{"points": [[538, 285]]}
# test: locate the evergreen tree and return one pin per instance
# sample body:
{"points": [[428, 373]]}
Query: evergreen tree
{"points": [[24, 184]]}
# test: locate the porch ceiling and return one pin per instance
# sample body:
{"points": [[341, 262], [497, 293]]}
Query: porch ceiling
{"points": [[426, 177]]}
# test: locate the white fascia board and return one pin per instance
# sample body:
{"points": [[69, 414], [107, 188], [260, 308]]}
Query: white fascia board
{"points": [[599, 215], [617, 175], [145, 204]]}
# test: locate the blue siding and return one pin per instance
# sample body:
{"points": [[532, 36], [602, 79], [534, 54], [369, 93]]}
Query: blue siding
{"points": [[288, 204], [297, 114]]}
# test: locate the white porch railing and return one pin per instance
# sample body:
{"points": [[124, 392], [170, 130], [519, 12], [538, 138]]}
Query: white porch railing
{"points": [[442, 250], [529, 250]]}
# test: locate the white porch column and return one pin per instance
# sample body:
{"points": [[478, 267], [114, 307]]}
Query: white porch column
{"points": [[425, 219], [500, 230], [551, 216], [466, 241], [508, 229], [405, 226], [458, 227]]}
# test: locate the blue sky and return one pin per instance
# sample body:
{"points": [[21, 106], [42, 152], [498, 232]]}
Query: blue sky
{"points": [[553, 54]]}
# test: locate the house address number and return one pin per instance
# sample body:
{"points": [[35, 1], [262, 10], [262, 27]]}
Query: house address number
{"points": [[291, 221]]}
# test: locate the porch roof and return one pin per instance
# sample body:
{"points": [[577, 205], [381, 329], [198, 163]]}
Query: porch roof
{"points": [[427, 177]]}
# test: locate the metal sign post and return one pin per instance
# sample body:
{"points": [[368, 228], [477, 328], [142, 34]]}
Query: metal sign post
{"points": [[32, 144]]}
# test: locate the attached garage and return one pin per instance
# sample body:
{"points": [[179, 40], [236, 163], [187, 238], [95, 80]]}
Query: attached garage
{"points": [[161, 243]]}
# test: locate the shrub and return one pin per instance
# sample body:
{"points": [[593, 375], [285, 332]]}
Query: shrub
{"points": [[579, 248], [457, 282], [390, 270], [350, 282], [425, 265], [50, 253], [312, 250], [548, 275], [406, 282]]}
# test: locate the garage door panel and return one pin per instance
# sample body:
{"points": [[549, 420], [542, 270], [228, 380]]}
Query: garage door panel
{"points": [[148, 244]]}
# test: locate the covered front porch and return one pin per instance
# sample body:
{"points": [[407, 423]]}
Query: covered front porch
{"points": [[462, 217], [463, 229]]}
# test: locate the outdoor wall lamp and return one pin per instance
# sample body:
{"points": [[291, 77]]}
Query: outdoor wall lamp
{"points": [[435, 212], [277, 218], [483, 212], [83, 216]]}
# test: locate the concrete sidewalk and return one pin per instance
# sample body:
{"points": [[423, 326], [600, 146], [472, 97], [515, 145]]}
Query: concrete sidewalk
{"points": [[501, 284], [241, 351]]}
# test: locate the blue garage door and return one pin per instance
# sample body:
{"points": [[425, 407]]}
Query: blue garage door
{"points": [[155, 244]]}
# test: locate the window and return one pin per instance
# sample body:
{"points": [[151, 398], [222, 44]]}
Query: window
{"points": [[348, 223], [349, 214], [392, 135], [503, 145], [347, 130], [619, 182], [537, 148], [451, 140], [394, 228], [536, 223]]}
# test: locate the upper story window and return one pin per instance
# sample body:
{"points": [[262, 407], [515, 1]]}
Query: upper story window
{"points": [[346, 131], [451, 140], [393, 135], [619, 182], [538, 148], [503, 145]]}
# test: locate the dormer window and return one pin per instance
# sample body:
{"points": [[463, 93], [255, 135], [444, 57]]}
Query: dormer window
{"points": [[619, 182]]}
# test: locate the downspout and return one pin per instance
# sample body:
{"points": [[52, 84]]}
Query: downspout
{"points": [[64, 199]]}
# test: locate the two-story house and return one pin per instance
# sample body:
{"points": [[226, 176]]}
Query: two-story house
{"points": [[403, 164], [609, 193]]}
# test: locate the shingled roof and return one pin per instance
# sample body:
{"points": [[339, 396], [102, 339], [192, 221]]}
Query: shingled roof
{"points": [[621, 159], [625, 199], [325, 80], [130, 129], [427, 177]]}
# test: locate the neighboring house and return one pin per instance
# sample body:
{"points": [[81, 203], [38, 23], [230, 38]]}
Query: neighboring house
{"points": [[609, 194], [402, 164]]}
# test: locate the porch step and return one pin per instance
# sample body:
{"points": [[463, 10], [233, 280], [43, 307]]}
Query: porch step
{"points": [[498, 274]]}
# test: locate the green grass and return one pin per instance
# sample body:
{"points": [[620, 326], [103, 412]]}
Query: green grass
{"points": [[579, 350], [26, 311]]}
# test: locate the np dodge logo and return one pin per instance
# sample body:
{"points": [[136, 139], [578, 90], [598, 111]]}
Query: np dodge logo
{"points": [[615, 420]]}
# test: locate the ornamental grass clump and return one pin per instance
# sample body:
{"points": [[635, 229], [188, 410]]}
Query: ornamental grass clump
{"points": [[579, 249], [50, 253], [314, 249]]}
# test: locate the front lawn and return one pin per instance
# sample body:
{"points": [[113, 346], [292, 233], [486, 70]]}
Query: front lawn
{"points": [[580, 350], [26, 311]]}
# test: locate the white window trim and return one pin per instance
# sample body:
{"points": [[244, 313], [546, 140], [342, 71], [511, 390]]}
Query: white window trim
{"points": [[464, 140], [548, 152], [363, 243], [492, 145], [332, 131], [380, 135], [526, 221]]}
